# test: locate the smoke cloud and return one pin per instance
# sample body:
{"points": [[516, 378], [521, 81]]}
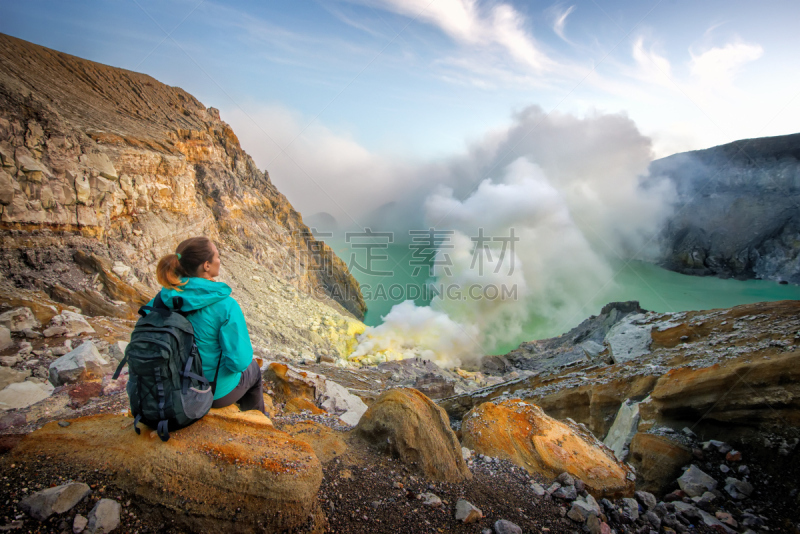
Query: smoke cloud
{"points": [[557, 197]]}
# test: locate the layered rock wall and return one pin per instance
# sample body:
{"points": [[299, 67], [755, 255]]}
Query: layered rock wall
{"points": [[105, 170], [738, 210]]}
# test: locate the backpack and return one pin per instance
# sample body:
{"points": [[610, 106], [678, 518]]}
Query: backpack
{"points": [[166, 386]]}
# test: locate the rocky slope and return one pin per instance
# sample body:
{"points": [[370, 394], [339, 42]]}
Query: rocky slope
{"points": [[105, 170], [738, 210], [356, 450]]}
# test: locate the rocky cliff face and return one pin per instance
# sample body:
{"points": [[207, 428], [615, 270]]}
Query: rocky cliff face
{"points": [[105, 170], [738, 211]]}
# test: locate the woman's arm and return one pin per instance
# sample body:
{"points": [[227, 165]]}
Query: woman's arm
{"points": [[237, 351]]}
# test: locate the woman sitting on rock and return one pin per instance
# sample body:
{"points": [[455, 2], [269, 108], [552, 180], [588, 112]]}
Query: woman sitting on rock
{"points": [[220, 330]]}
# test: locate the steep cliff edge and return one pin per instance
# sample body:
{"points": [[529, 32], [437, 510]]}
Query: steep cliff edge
{"points": [[105, 170], [738, 211]]}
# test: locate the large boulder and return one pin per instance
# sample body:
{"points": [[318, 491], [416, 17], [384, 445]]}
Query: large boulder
{"points": [[19, 319], [658, 461], [524, 434], [408, 424], [82, 363], [229, 472]]}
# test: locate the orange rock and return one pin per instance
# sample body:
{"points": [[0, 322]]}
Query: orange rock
{"points": [[327, 444], [286, 383], [658, 461], [299, 404], [408, 424], [524, 434], [733, 394], [229, 472]]}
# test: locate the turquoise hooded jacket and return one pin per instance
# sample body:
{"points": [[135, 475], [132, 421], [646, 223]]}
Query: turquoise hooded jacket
{"points": [[219, 329]]}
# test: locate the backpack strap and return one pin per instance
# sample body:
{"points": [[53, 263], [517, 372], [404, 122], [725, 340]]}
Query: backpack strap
{"points": [[163, 426], [158, 306], [119, 367], [187, 374]]}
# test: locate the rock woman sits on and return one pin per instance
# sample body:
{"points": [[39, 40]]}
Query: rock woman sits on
{"points": [[219, 326]]}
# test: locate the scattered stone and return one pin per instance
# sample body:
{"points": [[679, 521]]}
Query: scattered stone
{"points": [[5, 338], [738, 489], [647, 499], [111, 386], [676, 495], [593, 524], [79, 364], [466, 453], [104, 517], [57, 500], [553, 488], [653, 519], [19, 320], [688, 431], [566, 479], [506, 527], [25, 348], [79, 523], [538, 489], [734, 456], [9, 361], [116, 350], [31, 334], [743, 470], [23, 394], [429, 499], [711, 521], [694, 482], [630, 507], [727, 519], [74, 324], [724, 468], [466, 512], [568, 493], [704, 500], [12, 376], [52, 331]]}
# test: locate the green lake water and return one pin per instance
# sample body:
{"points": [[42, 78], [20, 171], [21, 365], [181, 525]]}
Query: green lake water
{"points": [[655, 288]]}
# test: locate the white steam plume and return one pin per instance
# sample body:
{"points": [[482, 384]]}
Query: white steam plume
{"points": [[571, 192], [569, 187]]}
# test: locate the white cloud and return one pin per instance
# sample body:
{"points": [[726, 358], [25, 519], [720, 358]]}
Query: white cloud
{"points": [[560, 20], [466, 22], [716, 68]]}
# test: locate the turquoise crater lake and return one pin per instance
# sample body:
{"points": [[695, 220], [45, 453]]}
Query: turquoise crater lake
{"points": [[655, 288]]}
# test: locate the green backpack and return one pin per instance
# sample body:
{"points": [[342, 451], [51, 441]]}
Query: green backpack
{"points": [[166, 385]]}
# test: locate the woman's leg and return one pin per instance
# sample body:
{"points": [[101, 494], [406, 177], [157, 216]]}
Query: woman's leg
{"points": [[248, 394]]}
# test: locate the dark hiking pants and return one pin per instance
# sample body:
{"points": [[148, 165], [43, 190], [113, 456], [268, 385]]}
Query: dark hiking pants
{"points": [[249, 394]]}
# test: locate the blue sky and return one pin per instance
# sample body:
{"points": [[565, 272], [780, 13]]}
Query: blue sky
{"points": [[321, 91]]}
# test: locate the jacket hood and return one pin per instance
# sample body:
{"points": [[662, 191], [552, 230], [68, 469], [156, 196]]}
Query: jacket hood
{"points": [[197, 293]]}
